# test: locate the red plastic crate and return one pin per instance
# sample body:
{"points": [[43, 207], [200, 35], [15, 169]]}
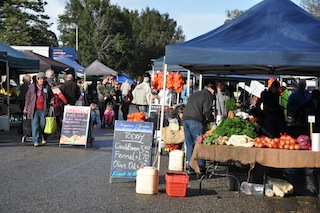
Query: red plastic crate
{"points": [[176, 183]]}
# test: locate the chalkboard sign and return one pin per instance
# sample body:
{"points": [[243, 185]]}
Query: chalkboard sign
{"points": [[132, 146], [75, 125]]}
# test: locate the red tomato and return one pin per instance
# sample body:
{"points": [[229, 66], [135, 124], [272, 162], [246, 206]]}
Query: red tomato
{"points": [[291, 147], [286, 146], [296, 147]]}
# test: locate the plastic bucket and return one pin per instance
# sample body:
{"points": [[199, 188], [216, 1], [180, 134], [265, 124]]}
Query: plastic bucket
{"points": [[176, 160], [147, 180]]}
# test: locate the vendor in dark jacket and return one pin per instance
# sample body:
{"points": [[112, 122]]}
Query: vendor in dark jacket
{"points": [[70, 90], [196, 114], [38, 99]]}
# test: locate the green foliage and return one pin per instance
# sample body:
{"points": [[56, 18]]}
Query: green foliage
{"points": [[122, 39], [231, 104], [232, 14], [234, 126], [22, 22]]}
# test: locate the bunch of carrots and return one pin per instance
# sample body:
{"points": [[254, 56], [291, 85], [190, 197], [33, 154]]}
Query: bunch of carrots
{"points": [[174, 81], [137, 116]]}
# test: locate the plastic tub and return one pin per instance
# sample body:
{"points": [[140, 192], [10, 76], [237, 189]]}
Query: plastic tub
{"points": [[176, 160], [147, 180]]}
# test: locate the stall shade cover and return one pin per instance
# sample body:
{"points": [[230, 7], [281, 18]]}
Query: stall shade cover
{"points": [[272, 37], [99, 69], [49, 63], [17, 59], [65, 60]]}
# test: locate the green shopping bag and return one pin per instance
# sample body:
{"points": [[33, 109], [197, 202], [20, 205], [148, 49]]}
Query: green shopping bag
{"points": [[51, 124]]}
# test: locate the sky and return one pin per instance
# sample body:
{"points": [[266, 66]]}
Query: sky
{"points": [[195, 17]]}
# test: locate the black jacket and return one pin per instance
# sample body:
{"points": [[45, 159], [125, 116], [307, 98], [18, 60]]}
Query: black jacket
{"points": [[71, 91], [199, 107]]}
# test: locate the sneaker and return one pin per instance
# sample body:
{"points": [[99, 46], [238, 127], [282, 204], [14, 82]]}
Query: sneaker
{"points": [[35, 144], [43, 142]]}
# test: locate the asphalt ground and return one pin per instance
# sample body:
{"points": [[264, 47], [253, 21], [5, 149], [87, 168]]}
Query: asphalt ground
{"points": [[76, 179]]}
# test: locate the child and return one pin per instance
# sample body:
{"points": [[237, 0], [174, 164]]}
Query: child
{"points": [[93, 120], [108, 115]]}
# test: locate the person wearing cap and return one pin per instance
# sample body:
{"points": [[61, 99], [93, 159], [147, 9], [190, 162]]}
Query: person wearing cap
{"points": [[142, 95], [38, 99], [298, 97], [197, 113]]}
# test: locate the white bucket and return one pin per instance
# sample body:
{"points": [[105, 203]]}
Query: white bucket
{"points": [[147, 180], [315, 142], [176, 160]]}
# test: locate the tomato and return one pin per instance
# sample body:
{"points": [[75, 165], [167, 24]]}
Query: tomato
{"points": [[280, 146], [291, 147], [276, 140], [286, 146], [296, 147], [282, 142]]}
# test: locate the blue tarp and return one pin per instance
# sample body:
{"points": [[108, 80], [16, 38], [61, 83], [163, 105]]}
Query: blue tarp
{"points": [[273, 37], [65, 60], [122, 78], [19, 60]]}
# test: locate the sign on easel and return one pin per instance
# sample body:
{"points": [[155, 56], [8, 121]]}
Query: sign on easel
{"points": [[132, 148], [75, 125]]}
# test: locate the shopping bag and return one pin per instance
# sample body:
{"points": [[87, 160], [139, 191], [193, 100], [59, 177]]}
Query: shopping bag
{"points": [[170, 136], [51, 124]]}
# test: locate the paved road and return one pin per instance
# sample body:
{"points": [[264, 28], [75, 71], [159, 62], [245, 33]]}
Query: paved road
{"points": [[75, 179]]}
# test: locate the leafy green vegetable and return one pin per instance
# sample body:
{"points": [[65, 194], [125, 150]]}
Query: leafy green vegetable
{"points": [[232, 126], [230, 104]]}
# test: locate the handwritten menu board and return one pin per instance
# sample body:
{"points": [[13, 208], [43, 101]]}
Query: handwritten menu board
{"points": [[75, 125], [132, 146]]}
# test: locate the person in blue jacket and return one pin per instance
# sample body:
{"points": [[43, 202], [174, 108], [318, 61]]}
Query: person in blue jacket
{"points": [[184, 94]]}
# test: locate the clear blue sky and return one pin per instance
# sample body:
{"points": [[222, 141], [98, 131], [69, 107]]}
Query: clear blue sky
{"points": [[195, 17]]}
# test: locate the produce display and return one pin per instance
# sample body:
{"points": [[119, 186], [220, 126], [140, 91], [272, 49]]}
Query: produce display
{"points": [[137, 116], [174, 81], [284, 142], [229, 127], [241, 132]]}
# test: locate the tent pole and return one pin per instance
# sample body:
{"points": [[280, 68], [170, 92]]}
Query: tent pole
{"points": [[200, 82], [162, 112], [188, 83], [8, 91]]}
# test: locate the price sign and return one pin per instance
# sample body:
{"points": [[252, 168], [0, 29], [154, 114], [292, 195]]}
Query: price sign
{"points": [[132, 148], [75, 125]]}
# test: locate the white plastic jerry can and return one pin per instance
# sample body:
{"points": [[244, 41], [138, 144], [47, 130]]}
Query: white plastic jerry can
{"points": [[176, 160], [147, 180]]}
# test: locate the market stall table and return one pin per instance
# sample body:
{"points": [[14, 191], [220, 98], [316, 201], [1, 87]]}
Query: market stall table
{"points": [[274, 158]]}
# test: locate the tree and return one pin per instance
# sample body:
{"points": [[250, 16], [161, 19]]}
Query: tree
{"points": [[22, 22], [312, 6], [231, 14], [103, 29], [152, 32], [123, 40]]}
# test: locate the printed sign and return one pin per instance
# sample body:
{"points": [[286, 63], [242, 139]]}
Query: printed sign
{"points": [[75, 125], [132, 146]]}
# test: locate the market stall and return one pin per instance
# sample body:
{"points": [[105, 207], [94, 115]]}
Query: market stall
{"points": [[274, 37]]}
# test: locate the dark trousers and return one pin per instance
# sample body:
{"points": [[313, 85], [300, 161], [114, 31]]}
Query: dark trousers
{"points": [[102, 107]]}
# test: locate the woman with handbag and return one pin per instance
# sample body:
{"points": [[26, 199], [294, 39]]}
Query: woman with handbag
{"points": [[58, 103], [38, 99]]}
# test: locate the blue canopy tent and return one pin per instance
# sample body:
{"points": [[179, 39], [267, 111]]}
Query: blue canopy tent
{"points": [[274, 37], [19, 60], [14, 59], [65, 60], [158, 66], [122, 78]]}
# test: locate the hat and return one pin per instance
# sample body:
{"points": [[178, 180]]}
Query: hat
{"points": [[40, 75], [51, 81]]}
